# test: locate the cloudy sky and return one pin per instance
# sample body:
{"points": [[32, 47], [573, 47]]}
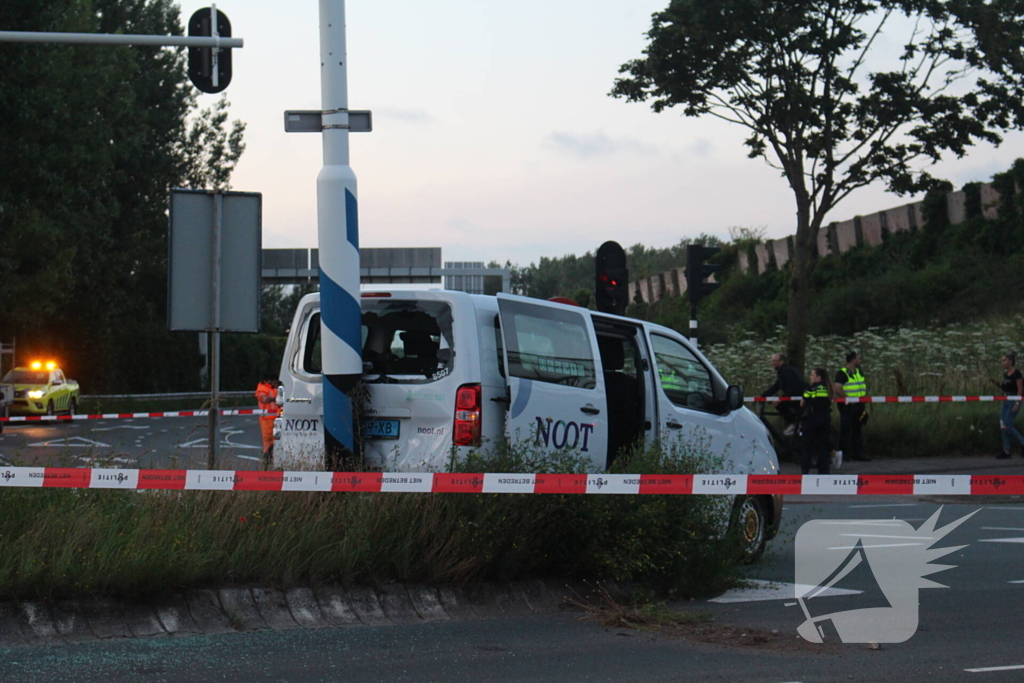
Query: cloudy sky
{"points": [[494, 136]]}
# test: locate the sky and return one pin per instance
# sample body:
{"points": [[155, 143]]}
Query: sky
{"points": [[494, 135]]}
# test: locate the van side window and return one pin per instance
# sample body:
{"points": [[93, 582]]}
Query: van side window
{"points": [[312, 362], [549, 345], [683, 378]]}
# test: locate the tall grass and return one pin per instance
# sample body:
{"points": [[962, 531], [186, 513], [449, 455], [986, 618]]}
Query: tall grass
{"points": [[950, 360], [67, 543]]}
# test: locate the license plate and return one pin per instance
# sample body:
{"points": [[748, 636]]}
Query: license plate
{"points": [[381, 429]]}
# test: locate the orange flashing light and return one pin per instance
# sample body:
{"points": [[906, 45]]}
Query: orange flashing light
{"points": [[51, 365], [36, 365]]}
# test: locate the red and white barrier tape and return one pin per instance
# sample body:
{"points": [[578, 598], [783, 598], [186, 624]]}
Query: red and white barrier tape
{"points": [[891, 399], [406, 482], [110, 416]]}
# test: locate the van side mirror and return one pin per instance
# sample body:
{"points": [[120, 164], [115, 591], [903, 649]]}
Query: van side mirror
{"points": [[733, 397]]}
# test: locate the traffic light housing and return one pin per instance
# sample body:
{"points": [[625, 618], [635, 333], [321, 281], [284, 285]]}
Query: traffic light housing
{"points": [[201, 59], [698, 270], [611, 283]]}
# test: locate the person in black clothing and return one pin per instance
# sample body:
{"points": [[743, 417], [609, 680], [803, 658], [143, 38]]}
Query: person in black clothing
{"points": [[850, 380], [1012, 384], [815, 423], [790, 383]]}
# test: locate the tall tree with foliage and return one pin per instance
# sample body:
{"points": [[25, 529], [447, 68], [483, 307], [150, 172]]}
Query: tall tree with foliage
{"points": [[93, 139], [830, 102]]}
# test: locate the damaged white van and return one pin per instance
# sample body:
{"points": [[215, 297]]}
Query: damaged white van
{"points": [[448, 370]]}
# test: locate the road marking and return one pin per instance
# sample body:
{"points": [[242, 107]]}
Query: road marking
{"points": [[110, 429], [1003, 540], [1016, 582], [1001, 507], [70, 442], [248, 457], [775, 590], [204, 443], [1014, 667], [885, 505], [1002, 528]]}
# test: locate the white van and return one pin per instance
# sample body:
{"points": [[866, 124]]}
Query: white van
{"points": [[447, 369]]}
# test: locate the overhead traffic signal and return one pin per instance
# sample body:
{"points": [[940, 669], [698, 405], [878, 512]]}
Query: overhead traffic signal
{"points": [[209, 68], [611, 284], [698, 271]]}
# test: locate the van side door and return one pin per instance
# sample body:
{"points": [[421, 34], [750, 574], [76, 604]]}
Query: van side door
{"points": [[691, 399], [557, 393]]}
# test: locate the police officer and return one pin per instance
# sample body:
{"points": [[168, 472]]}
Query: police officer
{"points": [[815, 423], [849, 383]]}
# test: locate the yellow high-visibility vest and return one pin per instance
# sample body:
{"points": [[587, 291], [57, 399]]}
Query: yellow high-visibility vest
{"points": [[854, 386]]}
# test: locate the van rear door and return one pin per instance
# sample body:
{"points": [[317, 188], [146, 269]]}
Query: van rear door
{"points": [[557, 392]]}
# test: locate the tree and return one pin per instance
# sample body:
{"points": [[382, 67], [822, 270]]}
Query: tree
{"points": [[93, 138], [210, 151], [828, 104]]}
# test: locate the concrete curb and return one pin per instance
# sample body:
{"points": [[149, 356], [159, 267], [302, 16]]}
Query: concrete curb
{"points": [[231, 610]]}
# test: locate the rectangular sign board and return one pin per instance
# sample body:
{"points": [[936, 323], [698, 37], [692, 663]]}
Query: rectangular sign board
{"points": [[194, 269]]}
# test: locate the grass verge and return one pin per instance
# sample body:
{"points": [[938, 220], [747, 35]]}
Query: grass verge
{"points": [[71, 543]]}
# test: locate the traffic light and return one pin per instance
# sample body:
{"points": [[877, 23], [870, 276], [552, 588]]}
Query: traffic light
{"points": [[204, 62], [697, 271], [611, 285]]}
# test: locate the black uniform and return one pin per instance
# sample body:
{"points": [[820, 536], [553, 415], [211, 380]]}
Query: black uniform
{"points": [[815, 434]]}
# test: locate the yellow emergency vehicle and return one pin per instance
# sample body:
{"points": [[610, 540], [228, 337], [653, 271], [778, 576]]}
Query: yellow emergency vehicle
{"points": [[42, 389]]}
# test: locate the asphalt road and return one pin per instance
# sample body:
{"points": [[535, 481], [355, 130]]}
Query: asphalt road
{"points": [[975, 624], [151, 442]]}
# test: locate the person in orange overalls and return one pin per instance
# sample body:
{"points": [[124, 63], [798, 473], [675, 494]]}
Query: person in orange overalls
{"points": [[266, 397]]}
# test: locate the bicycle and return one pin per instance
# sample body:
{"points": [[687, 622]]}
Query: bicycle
{"points": [[787, 446]]}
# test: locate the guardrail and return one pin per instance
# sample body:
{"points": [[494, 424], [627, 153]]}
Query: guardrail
{"points": [[157, 397]]}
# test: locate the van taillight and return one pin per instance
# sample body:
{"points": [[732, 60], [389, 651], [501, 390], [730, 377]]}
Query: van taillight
{"points": [[467, 416]]}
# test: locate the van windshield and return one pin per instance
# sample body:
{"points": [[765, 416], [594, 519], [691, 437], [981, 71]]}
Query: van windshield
{"points": [[408, 342]]}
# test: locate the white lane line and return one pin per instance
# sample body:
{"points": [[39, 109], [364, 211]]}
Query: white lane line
{"points": [[775, 590], [248, 457], [1002, 528], [1016, 582], [1001, 507], [1003, 540], [110, 429], [1015, 667], [70, 442], [885, 505]]}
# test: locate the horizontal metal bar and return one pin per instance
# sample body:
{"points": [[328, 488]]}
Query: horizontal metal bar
{"points": [[117, 39], [187, 394]]}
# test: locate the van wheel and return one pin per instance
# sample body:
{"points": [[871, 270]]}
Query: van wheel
{"points": [[750, 523], [49, 408], [72, 407]]}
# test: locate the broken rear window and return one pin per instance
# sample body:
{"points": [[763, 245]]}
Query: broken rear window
{"points": [[407, 342]]}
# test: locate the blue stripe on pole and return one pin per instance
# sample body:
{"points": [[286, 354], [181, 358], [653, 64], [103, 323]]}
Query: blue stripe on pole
{"points": [[351, 220], [338, 418], [342, 316]]}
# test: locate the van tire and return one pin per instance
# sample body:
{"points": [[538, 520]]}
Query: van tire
{"points": [[72, 407], [750, 525], [49, 408]]}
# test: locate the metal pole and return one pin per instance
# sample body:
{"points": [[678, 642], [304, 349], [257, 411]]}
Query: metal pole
{"points": [[339, 242], [214, 435], [118, 39], [215, 52]]}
